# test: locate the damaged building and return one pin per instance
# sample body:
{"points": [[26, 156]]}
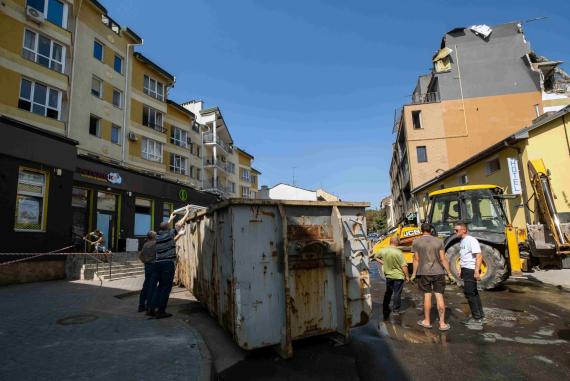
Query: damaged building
{"points": [[484, 85]]}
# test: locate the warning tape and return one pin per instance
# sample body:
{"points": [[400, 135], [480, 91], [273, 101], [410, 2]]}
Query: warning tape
{"points": [[30, 256]]}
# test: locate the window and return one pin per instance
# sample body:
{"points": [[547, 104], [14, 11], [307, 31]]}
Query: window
{"points": [[151, 150], [192, 170], [115, 134], [417, 120], [152, 118], [44, 51], [39, 99], [98, 50], [244, 174], [198, 174], [253, 179], [153, 88], [177, 164], [96, 87], [484, 212], [492, 166], [167, 209], [463, 179], [53, 10], [118, 64], [198, 151], [179, 137], [231, 167], [117, 98], [31, 200], [245, 192], [143, 216], [94, 126], [232, 187], [422, 154]]}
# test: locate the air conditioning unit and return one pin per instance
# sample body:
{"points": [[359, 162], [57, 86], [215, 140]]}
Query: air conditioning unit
{"points": [[35, 15], [132, 137]]}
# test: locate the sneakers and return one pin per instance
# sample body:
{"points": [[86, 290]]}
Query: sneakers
{"points": [[150, 312], [473, 321]]}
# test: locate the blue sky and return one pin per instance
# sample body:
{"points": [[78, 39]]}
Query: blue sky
{"points": [[314, 84]]}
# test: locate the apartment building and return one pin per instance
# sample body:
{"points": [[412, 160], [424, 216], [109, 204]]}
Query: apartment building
{"points": [[248, 176], [484, 85], [228, 170], [90, 138]]}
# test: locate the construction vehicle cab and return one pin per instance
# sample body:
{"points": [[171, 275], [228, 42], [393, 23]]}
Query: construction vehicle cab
{"points": [[481, 208]]}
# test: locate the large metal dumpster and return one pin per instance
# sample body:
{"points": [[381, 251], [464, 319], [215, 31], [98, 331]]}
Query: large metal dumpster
{"points": [[275, 271]]}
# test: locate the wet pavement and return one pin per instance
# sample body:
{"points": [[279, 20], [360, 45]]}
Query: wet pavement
{"points": [[527, 337]]}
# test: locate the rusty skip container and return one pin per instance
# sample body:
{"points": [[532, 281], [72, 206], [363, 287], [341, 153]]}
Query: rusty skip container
{"points": [[274, 271]]}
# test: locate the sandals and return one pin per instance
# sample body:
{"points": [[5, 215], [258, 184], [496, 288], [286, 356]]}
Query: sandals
{"points": [[421, 324], [446, 327]]}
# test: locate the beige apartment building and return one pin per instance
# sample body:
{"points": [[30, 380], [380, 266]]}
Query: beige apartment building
{"points": [[90, 138], [482, 88]]}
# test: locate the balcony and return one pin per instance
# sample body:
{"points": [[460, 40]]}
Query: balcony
{"points": [[154, 126], [418, 98], [209, 140], [215, 187], [211, 163]]}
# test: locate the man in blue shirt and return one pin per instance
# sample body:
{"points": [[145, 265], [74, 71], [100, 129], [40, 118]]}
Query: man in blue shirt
{"points": [[165, 265]]}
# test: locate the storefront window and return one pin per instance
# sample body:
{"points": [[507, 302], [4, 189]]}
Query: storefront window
{"points": [[143, 216], [167, 209], [31, 200]]}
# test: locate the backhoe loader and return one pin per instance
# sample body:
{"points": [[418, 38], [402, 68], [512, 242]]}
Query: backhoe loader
{"points": [[506, 250]]}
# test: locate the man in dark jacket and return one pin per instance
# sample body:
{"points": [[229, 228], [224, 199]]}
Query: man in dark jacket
{"points": [[147, 256], [165, 264]]}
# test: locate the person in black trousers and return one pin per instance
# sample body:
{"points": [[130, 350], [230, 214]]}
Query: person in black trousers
{"points": [[147, 256], [470, 262]]}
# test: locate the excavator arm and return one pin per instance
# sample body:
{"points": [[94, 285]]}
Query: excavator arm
{"points": [[548, 215]]}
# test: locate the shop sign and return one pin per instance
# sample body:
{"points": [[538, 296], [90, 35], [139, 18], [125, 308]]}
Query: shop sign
{"points": [[516, 186], [183, 194], [111, 177]]}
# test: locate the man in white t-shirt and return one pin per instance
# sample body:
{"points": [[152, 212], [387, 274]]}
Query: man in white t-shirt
{"points": [[470, 263]]}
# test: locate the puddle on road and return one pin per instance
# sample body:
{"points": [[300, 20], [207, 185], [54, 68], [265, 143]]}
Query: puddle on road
{"points": [[77, 319]]}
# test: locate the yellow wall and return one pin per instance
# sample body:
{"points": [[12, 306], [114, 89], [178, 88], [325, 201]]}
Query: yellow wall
{"points": [[548, 142], [136, 111]]}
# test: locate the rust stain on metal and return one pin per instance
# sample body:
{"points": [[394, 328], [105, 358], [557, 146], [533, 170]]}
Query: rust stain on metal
{"points": [[309, 232], [268, 213]]}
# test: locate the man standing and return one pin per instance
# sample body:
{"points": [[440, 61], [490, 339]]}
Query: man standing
{"points": [[147, 256], [431, 265], [395, 271], [165, 265], [470, 261]]}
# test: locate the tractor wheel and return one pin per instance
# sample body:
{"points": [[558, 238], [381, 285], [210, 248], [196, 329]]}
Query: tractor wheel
{"points": [[493, 269]]}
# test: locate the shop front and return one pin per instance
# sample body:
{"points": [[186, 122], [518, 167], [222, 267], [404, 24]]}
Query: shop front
{"points": [[122, 203]]}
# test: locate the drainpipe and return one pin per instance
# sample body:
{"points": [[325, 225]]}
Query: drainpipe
{"points": [[566, 132], [74, 49], [126, 103]]}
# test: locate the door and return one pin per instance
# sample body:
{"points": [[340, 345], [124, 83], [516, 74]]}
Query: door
{"points": [[107, 218], [80, 216]]}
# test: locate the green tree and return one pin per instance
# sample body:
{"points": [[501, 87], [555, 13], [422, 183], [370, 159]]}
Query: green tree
{"points": [[375, 220]]}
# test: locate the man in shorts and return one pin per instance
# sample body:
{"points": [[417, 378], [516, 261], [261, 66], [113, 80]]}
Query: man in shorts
{"points": [[431, 266]]}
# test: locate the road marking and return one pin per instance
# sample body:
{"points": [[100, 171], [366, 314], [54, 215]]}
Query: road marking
{"points": [[494, 337]]}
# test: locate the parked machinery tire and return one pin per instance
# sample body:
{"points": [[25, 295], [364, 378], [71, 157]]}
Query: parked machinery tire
{"points": [[493, 270]]}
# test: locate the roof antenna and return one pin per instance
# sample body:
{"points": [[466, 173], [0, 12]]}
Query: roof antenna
{"points": [[294, 176]]}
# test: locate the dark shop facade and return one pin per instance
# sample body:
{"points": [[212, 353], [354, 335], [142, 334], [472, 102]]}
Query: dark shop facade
{"points": [[50, 196]]}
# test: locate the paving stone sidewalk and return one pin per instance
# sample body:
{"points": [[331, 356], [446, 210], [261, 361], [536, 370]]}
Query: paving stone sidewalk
{"points": [[84, 330]]}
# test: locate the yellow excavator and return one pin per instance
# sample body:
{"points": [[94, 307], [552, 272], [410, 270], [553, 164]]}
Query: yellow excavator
{"points": [[506, 250]]}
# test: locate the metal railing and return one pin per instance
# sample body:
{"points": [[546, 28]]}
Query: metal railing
{"points": [[154, 126], [433, 97], [209, 139]]}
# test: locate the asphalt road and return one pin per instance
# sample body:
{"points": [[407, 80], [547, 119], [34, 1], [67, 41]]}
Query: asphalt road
{"points": [[527, 337]]}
